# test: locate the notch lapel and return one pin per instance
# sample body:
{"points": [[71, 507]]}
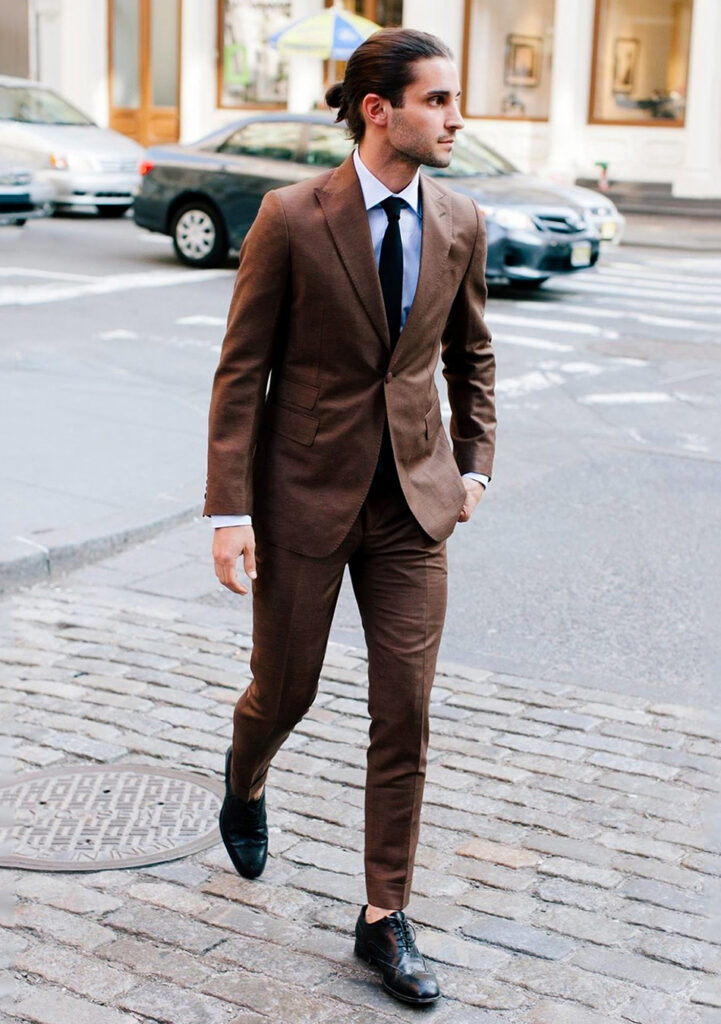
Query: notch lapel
{"points": [[341, 201], [436, 238]]}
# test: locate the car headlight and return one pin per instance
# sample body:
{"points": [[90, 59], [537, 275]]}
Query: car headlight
{"points": [[507, 217], [58, 162]]}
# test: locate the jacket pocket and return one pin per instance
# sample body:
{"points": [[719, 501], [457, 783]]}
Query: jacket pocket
{"points": [[434, 420], [294, 392], [294, 425]]}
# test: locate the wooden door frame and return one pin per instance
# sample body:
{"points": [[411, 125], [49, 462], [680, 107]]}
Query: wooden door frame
{"points": [[145, 83]]}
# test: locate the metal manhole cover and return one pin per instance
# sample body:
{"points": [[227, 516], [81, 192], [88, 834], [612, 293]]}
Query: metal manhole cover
{"points": [[95, 817]]}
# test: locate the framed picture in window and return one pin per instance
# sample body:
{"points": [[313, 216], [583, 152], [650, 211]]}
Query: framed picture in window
{"points": [[625, 64], [523, 60]]}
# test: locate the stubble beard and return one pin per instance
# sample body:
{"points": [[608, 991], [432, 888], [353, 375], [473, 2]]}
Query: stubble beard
{"points": [[413, 150]]}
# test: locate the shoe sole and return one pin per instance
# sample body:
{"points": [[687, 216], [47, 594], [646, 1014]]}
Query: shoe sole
{"points": [[367, 958]]}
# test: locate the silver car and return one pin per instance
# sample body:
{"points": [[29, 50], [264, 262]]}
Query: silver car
{"points": [[84, 164], [22, 197]]}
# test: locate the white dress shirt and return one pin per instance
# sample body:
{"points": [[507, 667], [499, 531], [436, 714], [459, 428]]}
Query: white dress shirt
{"points": [[411, 227]]}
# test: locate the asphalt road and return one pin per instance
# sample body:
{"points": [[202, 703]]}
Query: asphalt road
{"points": [[596, 553]]}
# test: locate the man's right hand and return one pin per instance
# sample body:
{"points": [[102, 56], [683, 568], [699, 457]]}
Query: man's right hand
{"points": [[229, 543]]}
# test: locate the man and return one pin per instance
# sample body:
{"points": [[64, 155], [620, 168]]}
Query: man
{"points": [[325, 425]]}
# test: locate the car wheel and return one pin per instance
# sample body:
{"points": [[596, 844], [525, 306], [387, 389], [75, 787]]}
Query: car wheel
{"points": [[199, 237], [528, 284], [113, 211], [20, 223]]}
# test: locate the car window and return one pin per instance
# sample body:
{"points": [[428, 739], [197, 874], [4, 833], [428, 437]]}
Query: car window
{"points": [[274, 140], [37, 106], [471, 158], [327, 146]]}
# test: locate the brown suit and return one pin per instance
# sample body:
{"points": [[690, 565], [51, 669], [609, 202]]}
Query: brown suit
{"points": [[307, 312]]}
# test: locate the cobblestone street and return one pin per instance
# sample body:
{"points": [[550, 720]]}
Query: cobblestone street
{"points": [[570, 851]]}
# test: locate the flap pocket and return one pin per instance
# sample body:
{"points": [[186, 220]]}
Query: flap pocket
{"points": [[294, 425], [434, 420], [295, 393]]}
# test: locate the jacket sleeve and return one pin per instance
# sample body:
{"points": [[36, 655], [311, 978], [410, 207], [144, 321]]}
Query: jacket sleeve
{"points": [[256, 323], [469, 366]]}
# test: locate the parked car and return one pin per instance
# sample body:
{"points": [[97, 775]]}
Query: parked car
{"points": [[21, 196], [84, 164], [206, 195]]}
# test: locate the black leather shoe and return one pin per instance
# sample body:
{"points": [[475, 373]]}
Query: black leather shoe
{"points": [[244, 829], [391, 944]]}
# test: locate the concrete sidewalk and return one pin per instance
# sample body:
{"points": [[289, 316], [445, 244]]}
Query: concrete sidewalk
{"points": [[568, 869], [685, 234]]}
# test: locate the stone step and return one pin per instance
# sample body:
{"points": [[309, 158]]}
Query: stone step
{"points": [[650, 197]]}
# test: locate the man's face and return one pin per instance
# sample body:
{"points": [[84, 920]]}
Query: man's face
{"points": [[423, 129]]}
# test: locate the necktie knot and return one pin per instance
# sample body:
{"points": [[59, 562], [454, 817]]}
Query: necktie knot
{"points": [[393, 206]]}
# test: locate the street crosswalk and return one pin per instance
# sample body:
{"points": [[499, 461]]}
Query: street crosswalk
{"points": [[638, 335]]}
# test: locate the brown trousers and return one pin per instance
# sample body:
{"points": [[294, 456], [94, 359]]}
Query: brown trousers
{"points": [[399, 578]]}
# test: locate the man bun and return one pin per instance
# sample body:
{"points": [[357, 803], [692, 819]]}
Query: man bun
{"points": [[334, 96]]}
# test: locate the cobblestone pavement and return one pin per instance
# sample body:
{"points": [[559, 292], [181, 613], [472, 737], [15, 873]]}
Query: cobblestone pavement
{"points": [[568, 871]]}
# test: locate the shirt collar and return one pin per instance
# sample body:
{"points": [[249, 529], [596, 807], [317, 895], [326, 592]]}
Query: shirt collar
{"points": [[374, 191]]}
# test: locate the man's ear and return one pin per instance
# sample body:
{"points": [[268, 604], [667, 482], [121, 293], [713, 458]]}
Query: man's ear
{"points": [[375, 109]]}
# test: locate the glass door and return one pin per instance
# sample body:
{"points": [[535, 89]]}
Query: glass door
{"points": [[144, 61]]}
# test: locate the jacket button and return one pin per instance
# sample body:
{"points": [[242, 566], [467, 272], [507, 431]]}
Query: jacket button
{"points": [[388, 378]]}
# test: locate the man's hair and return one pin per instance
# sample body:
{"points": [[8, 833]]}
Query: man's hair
{"points": [[383, 64]]}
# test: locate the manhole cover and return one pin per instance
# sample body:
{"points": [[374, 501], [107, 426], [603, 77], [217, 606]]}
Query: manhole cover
{"points": [[95, 817]]}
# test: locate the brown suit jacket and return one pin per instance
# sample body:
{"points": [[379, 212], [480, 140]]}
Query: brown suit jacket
{"points": [[306, 375]]}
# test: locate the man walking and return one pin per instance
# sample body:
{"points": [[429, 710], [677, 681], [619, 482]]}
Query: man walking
{"points": [[325, 427]]}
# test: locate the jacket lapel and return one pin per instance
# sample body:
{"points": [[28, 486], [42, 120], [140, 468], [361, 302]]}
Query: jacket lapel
{"points": [[341, 200], [436, 238]]}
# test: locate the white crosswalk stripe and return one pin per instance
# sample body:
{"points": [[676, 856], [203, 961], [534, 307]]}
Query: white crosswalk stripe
{"points": [[608, 318]]}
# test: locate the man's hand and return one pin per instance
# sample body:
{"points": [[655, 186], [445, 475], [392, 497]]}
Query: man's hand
{"points": [[229, 543], [474, 493]]}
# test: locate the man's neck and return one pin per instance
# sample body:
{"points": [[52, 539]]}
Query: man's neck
{"points": [[390, 169]]}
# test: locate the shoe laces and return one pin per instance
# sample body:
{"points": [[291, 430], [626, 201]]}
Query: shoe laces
{"points": [[405, 932]]}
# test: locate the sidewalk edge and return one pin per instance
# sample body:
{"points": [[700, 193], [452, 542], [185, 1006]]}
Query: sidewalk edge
{"points": [[66, 553]]}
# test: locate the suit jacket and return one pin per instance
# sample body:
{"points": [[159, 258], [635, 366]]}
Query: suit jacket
{"points": [[306, 377]]}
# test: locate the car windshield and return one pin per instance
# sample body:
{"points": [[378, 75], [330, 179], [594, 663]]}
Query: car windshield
{"points": [[472, 159], [31, 105]]}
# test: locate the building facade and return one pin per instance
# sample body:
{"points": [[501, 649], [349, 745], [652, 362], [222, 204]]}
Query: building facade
{"points": [[558, 86]]}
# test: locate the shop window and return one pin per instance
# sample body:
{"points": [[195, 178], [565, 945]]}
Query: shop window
{"points": [[640, 65], [250, 71], [386, 13], [508, 48]]}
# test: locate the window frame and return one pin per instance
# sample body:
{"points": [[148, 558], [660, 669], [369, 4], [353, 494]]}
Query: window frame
{"points": [[646, 122], [465, 112], [219, 62]]}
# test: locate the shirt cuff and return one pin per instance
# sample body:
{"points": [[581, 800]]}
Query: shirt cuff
{"points": [[218, 521], [480, 477]]}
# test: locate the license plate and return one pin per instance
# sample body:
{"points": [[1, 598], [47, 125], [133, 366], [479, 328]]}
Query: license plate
{"points": [[608, 230], [581, 254]]}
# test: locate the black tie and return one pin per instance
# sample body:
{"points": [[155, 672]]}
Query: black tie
{"points": [[390, 267]]}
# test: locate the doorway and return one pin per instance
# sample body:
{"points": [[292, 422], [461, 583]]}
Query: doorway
{"points": [[144, 65]]}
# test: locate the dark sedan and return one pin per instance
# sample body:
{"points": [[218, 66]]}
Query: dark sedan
{"points": [[206, 195]]}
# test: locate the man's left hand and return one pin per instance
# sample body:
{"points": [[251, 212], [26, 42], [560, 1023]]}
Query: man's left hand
{"points": [[474, 493]]}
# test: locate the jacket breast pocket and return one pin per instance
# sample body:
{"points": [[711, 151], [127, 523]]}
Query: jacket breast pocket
{"points": [[296, 426], [434, 420]]}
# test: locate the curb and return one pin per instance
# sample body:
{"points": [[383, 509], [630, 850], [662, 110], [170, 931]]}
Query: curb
{"points": [[669, 246], [68, 549]]}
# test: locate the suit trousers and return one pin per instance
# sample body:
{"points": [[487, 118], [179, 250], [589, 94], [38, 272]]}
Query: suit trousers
{"points": [[399, 579]]}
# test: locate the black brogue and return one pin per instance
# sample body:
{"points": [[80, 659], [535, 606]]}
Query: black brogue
{"points": [[244, 829], [391, 945]]}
